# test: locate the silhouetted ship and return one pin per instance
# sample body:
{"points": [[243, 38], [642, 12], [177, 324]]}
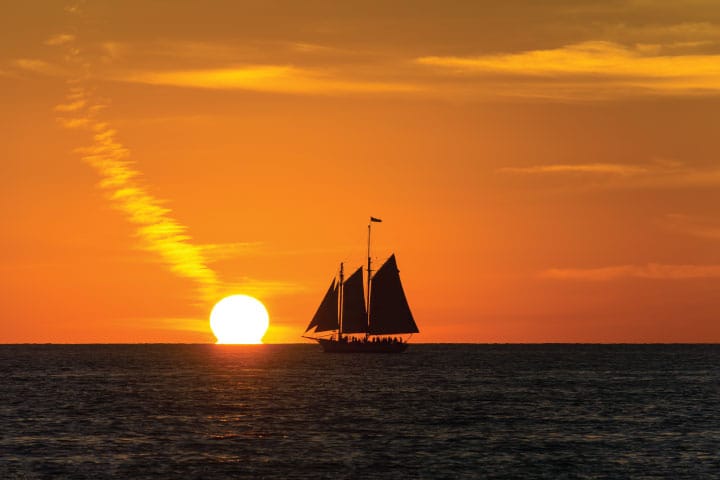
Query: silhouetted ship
{"points": [[354, 323]]}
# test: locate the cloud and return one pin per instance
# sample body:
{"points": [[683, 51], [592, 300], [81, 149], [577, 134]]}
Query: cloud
{"points": [[658, 174], [262, 66], [312, 48], [684, 35], [267, 78], [594, 57], [35, 65], [591, 168], [695, 227], [653, 271], [156, 228], [60, 39], [588, 70], [73, 122], [71, 107], [75, 8], [158, 231]]}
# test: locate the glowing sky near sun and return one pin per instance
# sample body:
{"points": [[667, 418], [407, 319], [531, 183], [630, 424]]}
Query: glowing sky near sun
{"points": [[546, 171]]}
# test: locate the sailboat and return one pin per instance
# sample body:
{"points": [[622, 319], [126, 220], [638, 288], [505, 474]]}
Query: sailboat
{"points": [[353, 322]]}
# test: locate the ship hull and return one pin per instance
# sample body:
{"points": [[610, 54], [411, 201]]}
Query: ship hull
{"points": [[333, 346]]}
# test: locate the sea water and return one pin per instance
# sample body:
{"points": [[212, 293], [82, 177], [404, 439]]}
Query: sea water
{"points": [[291, 411]]}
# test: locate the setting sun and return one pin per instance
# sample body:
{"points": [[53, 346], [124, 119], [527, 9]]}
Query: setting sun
{"points": [[239, 319]]}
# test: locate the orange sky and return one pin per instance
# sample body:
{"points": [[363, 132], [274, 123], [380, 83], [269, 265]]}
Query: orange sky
{"points": [[546, 171]]}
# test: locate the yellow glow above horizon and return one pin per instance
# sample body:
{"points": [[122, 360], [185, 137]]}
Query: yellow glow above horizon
{"points": [[239, 319]]}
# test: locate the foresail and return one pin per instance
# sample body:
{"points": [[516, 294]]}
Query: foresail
{"points": [[326, 317], [389, 309], [354, 319]]}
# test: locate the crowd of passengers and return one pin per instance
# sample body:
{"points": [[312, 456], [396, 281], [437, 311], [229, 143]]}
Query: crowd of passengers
{"points": [[372, 340]]}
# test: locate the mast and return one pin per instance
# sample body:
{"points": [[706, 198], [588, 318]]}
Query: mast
{"points": [[369, 274], [340, 303], [367, 309]]}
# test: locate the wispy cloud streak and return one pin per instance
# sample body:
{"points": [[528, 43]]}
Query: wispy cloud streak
{"points": [[590, 70], [594, 57], [592, 168], [158, 231], [37, 66], [654, 271], [60, 39], [155, 226], [268, 78], [695, 227], [658, 174]]}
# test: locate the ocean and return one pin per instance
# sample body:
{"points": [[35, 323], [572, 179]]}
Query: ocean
{"points": [[291, 411]]}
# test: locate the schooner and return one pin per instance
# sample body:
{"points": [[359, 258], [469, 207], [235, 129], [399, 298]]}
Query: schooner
{"points": [[354, 322]]}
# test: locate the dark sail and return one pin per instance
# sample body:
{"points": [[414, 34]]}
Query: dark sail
{"points": [[354, 319], [389, 309], [326, 317]]}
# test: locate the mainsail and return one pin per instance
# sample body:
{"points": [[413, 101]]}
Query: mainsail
{"points": [[354, 315], [326, 317], [389, 309]]}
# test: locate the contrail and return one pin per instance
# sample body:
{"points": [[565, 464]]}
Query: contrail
{"points": [[157, 230]]}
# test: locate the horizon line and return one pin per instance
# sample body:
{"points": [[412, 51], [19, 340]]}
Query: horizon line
{"points": [[308, 343]]}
